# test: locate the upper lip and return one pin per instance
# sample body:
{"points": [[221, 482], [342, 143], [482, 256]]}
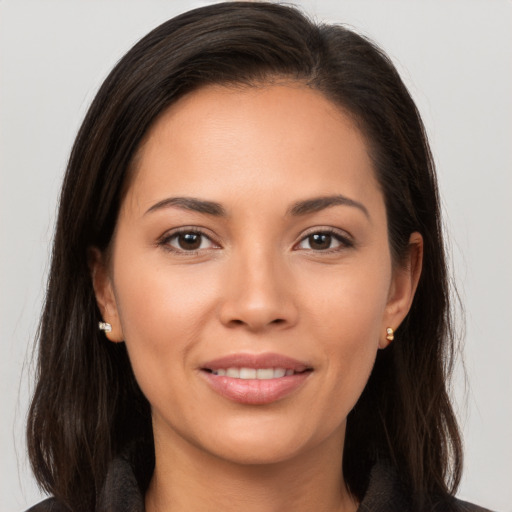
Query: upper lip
{"points": [[266, 360]]}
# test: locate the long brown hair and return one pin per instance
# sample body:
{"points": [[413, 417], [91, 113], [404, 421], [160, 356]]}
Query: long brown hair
{"points": [[87, 406]]}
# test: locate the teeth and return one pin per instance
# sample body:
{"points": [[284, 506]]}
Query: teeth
{"points": [[247, 373], [253, 373], [264, 373], [233, 372]]}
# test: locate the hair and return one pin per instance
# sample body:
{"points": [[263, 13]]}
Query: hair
{"points": [[87, 407]]}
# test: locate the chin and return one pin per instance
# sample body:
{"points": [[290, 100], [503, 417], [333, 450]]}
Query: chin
{"points": [[258, 453], [253, 444]]}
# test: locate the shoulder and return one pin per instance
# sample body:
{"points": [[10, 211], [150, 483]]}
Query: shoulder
{"points": [[122, 489], [464, 506], [388, 492], [49, 505]]}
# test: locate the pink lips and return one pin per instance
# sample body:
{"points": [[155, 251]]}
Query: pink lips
{"points": [[255, 391]]}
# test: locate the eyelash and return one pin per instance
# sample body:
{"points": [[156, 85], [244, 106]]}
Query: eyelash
{"points": [[166, 239], [344, 241]]}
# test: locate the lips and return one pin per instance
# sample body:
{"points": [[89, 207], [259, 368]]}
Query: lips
{"points": [[253, 373], [255, 379]]}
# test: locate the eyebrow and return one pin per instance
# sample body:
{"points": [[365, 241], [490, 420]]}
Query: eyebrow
{"points": [[299, 208], [190, 203], [317, 204]]}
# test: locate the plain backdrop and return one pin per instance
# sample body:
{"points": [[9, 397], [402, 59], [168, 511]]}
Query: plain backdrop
{"points": [[456, 58]]}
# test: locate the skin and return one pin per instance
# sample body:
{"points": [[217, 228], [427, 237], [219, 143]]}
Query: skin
{"points": [[257, 283]]}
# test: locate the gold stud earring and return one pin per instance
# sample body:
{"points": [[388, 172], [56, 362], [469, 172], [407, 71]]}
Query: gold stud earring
{"points": [[105, 326], [390, 334]]}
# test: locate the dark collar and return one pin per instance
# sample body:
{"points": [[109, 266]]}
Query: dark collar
{"points": [[123, 492]]}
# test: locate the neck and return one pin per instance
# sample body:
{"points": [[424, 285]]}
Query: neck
{"points": [[186, 478]]}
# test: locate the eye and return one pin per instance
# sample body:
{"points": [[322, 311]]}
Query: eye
{"points": [[324, 241], [188, 241]]}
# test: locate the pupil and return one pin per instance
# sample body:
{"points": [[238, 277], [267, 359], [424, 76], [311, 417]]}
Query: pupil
{"points": [[189, 241], [320, 241]]}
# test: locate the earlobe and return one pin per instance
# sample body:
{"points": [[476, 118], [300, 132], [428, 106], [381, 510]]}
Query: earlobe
{"points": [[403, 287], [104, 293]]}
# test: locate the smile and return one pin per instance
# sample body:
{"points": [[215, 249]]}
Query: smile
{"points": [[255, 379], [254, 373]]}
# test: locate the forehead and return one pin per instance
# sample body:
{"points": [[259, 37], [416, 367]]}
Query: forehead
{"points": [[220, 140]]}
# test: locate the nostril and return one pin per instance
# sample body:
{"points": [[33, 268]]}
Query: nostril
{"points": [[237, 322]]}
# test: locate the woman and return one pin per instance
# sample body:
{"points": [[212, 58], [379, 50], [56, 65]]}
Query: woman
{"points": [[248, 305]]}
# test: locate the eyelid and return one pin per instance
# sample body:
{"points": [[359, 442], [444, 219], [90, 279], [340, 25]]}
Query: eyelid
{"points": [[343, 237], [346, 240], [163, 240]]}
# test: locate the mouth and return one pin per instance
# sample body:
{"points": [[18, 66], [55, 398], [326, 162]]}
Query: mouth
{"points": [[255, 379], [255, 373]]}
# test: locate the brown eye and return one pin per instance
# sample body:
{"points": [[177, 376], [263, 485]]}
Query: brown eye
{"points": [[323, 241], [189, 241], [320, 241]]}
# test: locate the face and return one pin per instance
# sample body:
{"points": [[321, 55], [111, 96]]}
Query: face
{"points": [[250, 273]]}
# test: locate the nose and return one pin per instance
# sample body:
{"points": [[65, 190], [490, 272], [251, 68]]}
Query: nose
{"points": [[258, 294]]}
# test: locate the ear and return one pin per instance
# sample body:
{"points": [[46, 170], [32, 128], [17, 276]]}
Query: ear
{"points": [[104, 292], [404, 282]]}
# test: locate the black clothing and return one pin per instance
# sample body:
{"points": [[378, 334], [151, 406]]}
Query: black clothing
{"points": [[385, 493]]}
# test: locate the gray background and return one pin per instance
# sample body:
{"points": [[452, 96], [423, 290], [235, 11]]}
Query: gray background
{"points": [[455, 57]]}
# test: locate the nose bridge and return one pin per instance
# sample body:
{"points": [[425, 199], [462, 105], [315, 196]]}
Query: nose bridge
{"points": [[258, 293]]}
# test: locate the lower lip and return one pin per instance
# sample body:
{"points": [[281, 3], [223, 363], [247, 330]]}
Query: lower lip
{"points": [[255, 391]]}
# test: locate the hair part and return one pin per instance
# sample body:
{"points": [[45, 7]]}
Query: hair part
{"points": [[87, 407]]}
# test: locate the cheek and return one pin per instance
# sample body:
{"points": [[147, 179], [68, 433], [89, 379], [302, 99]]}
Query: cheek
{"points": [[348, 304], [153, 295], [162, 310], [347, 322]]}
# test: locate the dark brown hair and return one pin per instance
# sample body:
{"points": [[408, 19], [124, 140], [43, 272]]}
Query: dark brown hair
{"points": [[87, 406]]}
